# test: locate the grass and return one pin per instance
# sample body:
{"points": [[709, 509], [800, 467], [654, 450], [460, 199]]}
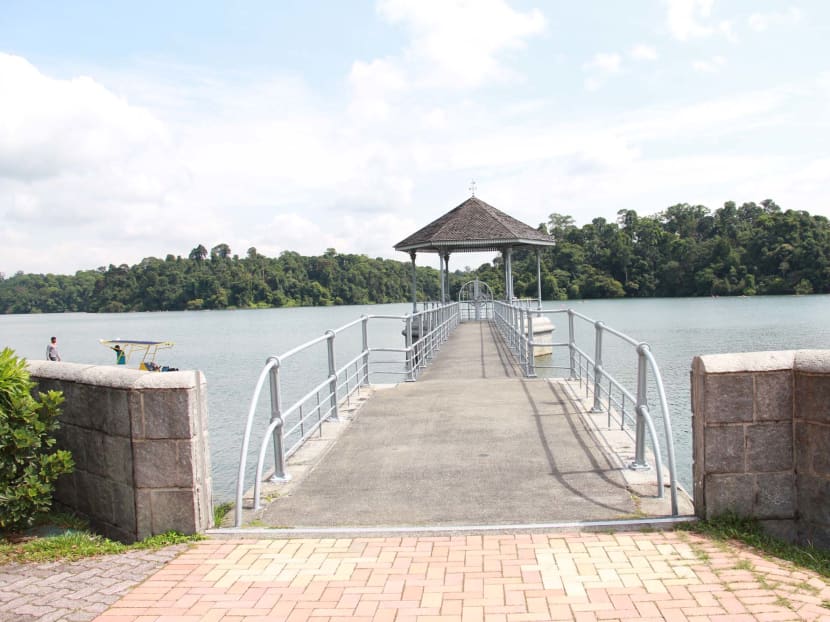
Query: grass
{"points": [[730, 527], [220, 512], [67, 538]]}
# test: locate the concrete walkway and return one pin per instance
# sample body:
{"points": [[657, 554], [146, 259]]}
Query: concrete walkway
{"points": [[470, 443]]}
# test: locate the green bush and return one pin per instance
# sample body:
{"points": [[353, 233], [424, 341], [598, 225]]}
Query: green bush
{"points": [[29, 465]]}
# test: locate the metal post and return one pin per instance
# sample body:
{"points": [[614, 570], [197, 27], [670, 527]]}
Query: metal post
{"points": [[521, 344], [332, 376], [410, 369], [531, 361], [572, 343], [365, 326], [414, 283], [423, 354], [276, 415], [539, 277], [597, 407], [509, 272], [642, 407]]}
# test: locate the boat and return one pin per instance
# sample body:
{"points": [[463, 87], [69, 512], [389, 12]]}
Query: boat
{"points": [[125, 349]]}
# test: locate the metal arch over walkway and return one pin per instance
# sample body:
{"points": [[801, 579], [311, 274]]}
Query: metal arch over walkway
{"points": [[474, 226], [471, 443]]}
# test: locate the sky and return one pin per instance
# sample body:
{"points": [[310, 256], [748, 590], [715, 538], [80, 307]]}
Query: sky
{"points": [[138, 129]]}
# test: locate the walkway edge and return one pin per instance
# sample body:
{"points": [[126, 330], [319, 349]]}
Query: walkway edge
{"points": [[638, 524]]}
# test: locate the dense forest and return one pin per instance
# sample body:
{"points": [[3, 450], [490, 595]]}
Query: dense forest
{"points": [[685, 250]]}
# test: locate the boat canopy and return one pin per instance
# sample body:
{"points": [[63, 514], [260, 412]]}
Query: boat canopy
{"points": [[147, 350]]}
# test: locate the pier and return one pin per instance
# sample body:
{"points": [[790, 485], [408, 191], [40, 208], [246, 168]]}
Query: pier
{"points": [[472, 444]]}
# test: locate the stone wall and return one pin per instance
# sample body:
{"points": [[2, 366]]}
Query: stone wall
{"points": [[140, 445], [761, 430]]}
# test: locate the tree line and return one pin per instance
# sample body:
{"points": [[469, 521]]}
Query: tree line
{"points": [[685, 250], [218, 279]]}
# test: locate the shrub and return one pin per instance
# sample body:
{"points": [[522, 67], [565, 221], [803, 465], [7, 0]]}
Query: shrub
{"points": [[28, 464]]}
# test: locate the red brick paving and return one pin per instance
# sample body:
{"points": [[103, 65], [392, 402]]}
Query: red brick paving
{"points": [[492, 578]]}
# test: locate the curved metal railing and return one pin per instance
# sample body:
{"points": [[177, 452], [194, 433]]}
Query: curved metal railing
{"points": [[610, 394], [288, 428]]}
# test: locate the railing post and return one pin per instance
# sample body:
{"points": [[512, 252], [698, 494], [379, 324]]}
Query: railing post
{"points": [[597, 407], [276, 415], [440, 313], [642, 408], [365, 328], [531, 361], [521, 345], [512, 311], [572, 344], [330, 335], [423, 352], [410, 370]]}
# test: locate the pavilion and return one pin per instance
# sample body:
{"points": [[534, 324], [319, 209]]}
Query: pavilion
{"points": [[474, 226]]}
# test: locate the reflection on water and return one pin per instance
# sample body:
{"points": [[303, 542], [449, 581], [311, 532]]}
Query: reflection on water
{"points": [[231, 347]]}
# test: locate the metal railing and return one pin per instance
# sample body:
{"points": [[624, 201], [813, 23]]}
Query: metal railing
{"points": [[289, 427], [476, 310], [610, 394]]}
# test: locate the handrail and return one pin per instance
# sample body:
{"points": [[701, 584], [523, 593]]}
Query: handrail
{"points": [[424, 332], [515, 323]]}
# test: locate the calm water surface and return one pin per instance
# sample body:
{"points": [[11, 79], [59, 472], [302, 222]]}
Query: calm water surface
{"points": [[230, 347]]}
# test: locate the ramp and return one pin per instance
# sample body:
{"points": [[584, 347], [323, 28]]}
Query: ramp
{"points": [[470, 443]]}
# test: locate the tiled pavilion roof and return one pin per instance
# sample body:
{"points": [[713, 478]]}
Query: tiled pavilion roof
{"points": [[473, 226]]}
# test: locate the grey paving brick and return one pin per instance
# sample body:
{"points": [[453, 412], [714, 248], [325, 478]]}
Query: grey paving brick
{"points": [[74, 591]]}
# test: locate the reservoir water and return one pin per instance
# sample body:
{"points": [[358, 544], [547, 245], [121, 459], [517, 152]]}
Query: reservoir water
{"points": [[231, 347]]}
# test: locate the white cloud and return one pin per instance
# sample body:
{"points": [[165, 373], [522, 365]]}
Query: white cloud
{"points": [[592, 83], [726, 29], [717, 116], [688, 19], [760, 22], [74, 156], [459, 43], [50, 128], [607, 63], [711, 65], [643, 52], [374, 84], [599, 68]]}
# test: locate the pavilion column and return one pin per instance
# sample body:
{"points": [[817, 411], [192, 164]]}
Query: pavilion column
{"points": [[447, 276], [508, 274], [414, 283], [441, 274], [539, 276]]}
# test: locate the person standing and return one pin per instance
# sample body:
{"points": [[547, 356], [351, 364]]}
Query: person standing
{"points": [[52, 353], [120, 355]]}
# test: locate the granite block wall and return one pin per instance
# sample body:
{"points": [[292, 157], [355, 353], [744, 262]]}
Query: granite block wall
{"points": [[761, 440], [140, 445]]}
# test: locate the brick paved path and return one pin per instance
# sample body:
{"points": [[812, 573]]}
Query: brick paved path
{"points": [[492, 578], [74, 591]]}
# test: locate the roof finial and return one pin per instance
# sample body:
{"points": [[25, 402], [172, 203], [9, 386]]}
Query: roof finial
{"points": [[473, 187]]}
